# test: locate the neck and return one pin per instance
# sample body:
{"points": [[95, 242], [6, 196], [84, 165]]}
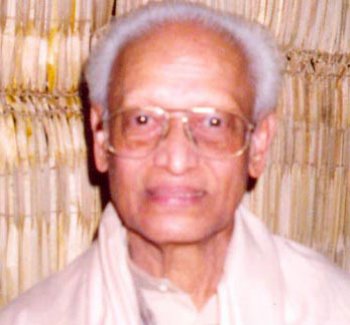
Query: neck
{"points": [[195, 268]]}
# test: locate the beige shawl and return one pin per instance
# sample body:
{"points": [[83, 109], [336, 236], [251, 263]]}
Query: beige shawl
{"points": [[267, 280]]}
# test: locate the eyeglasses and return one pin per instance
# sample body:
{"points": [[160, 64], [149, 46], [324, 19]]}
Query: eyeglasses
{"points": [[136, 132]]}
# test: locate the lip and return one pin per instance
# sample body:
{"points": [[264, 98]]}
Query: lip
{"points": [[175, 195]]}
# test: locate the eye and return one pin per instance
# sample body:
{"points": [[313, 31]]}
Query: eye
{"points": [[215, 121], [142, 119]]}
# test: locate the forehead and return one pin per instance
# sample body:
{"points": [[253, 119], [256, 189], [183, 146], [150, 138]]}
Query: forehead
{"points": [[184, 58]]}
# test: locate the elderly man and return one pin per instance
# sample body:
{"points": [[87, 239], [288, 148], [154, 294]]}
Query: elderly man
{"points": [[182, 115]]}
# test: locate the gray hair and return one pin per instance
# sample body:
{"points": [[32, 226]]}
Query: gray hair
{"points": [[256, 43]]}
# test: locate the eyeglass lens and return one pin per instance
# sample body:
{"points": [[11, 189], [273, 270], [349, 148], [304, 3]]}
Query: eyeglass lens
{"points": [[137, 132]]}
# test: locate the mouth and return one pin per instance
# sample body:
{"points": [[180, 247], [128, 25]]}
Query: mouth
{"points": [[175, 195]]}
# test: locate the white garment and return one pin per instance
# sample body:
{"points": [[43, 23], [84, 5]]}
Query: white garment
{"points": [[267, 280], [168, 304]]}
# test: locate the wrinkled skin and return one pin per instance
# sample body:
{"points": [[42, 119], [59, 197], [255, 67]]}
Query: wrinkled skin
{"points": [[174, 197]]}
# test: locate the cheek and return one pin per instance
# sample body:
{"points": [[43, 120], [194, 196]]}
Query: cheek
{"points": [[231, 181], [231, 178], [125, 181]]}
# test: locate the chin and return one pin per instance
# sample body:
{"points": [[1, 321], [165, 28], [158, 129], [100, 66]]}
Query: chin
{"points": [[177, 230]]}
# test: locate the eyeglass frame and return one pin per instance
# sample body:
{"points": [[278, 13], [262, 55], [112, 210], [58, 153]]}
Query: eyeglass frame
{"points": [[187, 130]]}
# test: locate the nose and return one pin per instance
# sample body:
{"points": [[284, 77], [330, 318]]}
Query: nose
{"points": [[176, 152]]}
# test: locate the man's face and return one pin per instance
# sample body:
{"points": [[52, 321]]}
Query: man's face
{"points": [[174, 195]]}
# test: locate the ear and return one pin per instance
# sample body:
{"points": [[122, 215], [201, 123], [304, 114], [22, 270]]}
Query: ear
{"points": [[99, 137], [260, 143]]}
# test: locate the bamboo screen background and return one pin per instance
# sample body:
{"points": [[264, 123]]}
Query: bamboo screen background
{"points": [[48, 208]]}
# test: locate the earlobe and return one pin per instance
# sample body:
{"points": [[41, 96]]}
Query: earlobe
{"points": [[260, 143], [99, 137]]}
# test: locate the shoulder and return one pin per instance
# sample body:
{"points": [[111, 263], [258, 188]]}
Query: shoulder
{"points": [[303, 262], [315, 290], [313, 283], [296, 261], [53, 299]]}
